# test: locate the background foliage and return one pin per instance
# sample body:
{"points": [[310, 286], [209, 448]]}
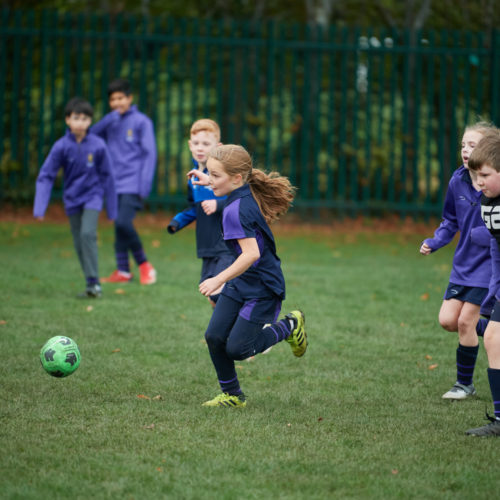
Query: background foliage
{"points": [[362, 118]]}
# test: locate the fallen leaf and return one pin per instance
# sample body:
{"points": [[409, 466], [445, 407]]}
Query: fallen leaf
{"points": [[432, 367], [394, 471], [90, 308], [142, 396], [3, 322], [159, 469], [183, 316], [402, 324], [320, 419], [288, 425], [155, 243], [119, 291], [424, 296], [428, 357], [116, 350], [149, 427], [251, 358], [240, 367], [157, 398]]}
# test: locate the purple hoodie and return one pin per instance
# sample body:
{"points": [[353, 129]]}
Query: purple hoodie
{"points": [[131, 142], [87, 176], [462, 212]]}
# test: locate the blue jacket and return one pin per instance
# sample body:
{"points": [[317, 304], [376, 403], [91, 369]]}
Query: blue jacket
{"points": [[462, 212], [131, 142], [87, 176], [209, 241]]}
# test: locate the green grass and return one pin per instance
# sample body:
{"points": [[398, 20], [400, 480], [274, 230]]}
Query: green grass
{"points": [[360, 416]]}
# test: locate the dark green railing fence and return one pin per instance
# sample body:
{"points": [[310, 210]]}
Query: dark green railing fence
{"points": [[361, 120]]}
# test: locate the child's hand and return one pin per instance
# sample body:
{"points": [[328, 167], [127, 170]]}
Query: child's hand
{"points": [[173, 227], [210, 286], [425, 249], [209, 206], [198, 178]]}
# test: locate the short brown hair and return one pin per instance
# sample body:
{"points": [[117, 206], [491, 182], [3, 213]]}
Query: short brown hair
{"points": [[487, 152], [206, 125]]}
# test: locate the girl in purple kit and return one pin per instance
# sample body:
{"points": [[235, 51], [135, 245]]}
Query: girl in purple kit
{"points": [[252, 288], [471, 271]]}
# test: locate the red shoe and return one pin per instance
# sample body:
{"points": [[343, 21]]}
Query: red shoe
{"points": [[148, 273], [117, 277]]}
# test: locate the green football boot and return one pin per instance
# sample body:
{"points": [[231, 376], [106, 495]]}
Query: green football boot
{"points": [[298, 337], [227, 400]]}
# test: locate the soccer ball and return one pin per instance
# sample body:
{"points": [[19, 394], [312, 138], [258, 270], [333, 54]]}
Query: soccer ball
{"points": [[60, 356]]}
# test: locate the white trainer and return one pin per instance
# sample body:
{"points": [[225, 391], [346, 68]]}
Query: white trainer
{"points": [[460, 391]]}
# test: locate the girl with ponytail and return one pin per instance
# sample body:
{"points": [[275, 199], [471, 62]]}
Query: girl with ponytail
{"points": [[244, 321]]}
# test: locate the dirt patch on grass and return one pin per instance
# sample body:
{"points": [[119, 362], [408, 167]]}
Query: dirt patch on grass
{"points": [[289, 224]]}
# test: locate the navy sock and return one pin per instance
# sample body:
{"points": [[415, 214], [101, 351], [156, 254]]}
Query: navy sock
{"points": [[139, 256], [481, 326], [92, 281], [281, 331], [122, 261], [494, 378], [232, 387], [466, 362]]}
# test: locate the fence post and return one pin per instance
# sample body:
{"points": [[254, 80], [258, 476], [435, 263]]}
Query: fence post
{"points": [[495, 76]]}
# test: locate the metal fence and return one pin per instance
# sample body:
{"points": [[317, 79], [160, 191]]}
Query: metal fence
{"points": [[362, 121]]}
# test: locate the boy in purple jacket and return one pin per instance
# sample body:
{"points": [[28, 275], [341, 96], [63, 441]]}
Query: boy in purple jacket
{"points": [[471, 269], [130, 137], [87, 180]]}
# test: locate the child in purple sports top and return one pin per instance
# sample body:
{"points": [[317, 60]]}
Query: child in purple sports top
{"points": [[86, 164], [471, 269], [251, 289], [130, 137]]}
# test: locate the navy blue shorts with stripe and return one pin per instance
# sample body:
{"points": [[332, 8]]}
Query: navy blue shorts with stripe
{"points": [[471, 294]]}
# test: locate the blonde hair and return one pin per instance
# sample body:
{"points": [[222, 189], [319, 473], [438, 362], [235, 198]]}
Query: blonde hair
{"points": [[487, 151], [272, 192], [482, 127], [206, 125]]}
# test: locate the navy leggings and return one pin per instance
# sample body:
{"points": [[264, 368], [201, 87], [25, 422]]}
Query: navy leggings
{"points": [[126, 237], [231, 337]]}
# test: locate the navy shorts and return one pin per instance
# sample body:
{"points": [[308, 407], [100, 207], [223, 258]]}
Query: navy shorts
{"points": [[472, 294], [257, 310], [495, 312], [212, 266]]}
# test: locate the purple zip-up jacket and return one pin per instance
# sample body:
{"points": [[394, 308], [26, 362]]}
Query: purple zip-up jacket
{"points": [[131, 141], [87, 176], [462, 212]]}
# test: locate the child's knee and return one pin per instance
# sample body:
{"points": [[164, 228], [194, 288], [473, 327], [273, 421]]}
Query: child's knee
{"points": [[466, 324], [237, 351], [448, 323], [88, 237], [122, 226], [212, 339]]}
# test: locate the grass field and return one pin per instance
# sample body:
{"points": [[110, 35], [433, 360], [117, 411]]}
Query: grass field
{"points": [[360, 416]]}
